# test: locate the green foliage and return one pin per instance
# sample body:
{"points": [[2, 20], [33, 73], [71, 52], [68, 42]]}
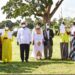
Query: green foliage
{"points": [[27, 8], [30, 25], [15, 8], [9, 24], [30, 22], [68, 21]]}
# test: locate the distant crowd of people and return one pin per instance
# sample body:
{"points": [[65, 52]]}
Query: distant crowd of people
{"points": [[42, 41]]}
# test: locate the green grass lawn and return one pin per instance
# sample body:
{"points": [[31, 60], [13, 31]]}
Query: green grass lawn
{"points": [[54, 66]]}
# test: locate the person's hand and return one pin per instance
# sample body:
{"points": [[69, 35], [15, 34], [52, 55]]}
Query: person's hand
{"points": [[39, 43]]}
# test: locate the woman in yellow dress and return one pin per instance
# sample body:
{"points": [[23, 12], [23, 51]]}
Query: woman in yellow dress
{"points": [[0, 47], [7, 45]]}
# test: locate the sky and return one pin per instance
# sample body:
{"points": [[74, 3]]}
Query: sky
{"points": [[67, 8]]}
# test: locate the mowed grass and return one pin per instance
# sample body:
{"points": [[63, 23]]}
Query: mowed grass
{"points": [[53, 66]]}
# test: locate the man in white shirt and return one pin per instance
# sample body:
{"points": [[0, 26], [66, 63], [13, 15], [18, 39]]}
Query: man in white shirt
{"points": [[64, 41], [62, 28], [24, 39]]}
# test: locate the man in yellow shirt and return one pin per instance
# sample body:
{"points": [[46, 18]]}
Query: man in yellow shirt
{"points": [[64, 42]]}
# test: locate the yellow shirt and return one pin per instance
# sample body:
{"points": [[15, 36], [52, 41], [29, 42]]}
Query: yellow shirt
{"points": [[64, 37]]}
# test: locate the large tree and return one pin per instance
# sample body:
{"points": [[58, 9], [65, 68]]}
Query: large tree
{"points": [[23, 8]]}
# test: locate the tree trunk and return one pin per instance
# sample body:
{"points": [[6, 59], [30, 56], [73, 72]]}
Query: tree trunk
{"points": [[45, 18], [55, 9], [48, 15]]}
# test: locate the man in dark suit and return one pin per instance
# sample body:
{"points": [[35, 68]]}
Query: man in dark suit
{"points": [[48, 42]]}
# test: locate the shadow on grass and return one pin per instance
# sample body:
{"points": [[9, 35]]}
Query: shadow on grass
{"points": [[19, 67]]}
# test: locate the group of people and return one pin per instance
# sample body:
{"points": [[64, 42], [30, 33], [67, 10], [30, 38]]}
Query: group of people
{"points": [[41, 40]]}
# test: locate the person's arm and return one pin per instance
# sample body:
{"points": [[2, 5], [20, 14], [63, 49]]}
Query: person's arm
{"points": [[43, 39], [18, 37], [30, 35], [43, 33], [52, 33]]}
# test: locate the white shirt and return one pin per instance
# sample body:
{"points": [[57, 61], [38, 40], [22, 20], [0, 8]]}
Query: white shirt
{"points": [[24, 36], [72, 29], [47, 33], [62, 28]]}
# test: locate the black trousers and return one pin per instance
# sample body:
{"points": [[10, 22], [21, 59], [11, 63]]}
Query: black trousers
{"points": [[24, 51], [64, 50], [48, 50]]}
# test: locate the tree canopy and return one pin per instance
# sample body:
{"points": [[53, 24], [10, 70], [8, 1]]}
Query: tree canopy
{"points": [[23, 8]]}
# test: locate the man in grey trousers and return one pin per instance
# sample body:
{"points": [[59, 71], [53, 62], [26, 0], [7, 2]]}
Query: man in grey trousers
{"points": [[48, 42]]}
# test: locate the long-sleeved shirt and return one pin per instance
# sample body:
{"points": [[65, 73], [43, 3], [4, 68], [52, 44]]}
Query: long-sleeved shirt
{"points": [[62, 28], [24, 36]]}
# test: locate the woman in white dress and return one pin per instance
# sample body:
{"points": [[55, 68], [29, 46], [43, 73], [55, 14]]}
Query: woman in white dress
{"points": [[37, 39]]}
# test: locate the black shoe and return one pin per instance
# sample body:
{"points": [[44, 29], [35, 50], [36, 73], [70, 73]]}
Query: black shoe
{"points": [[45, 58], [22, 60], [49, 58], [26, 60]]}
